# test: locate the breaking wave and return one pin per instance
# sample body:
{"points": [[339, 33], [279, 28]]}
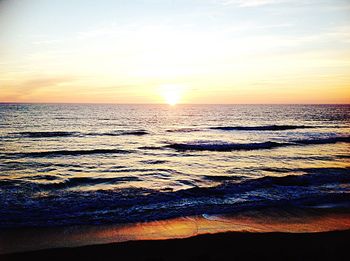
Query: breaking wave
{"points": [[263, 128], [226, 146], [53, 134], [222, 146], [46, 134], [67, 207], [119, 133]]}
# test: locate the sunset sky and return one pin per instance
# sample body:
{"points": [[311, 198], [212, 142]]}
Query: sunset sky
{"points": [[201, 51]]}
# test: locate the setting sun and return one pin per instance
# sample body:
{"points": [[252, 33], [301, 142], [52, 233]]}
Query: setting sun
{"points": [[175, 124], [172, 93]]}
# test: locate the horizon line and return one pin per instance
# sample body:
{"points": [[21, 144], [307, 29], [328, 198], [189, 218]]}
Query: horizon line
{"points": [[179, 104]]}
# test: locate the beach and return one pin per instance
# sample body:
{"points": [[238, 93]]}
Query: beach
{"points": [[221, 246], [249, 235]]}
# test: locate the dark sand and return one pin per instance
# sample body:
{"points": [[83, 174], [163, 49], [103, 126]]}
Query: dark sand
{"points": [[261, 235], [221, 246]]}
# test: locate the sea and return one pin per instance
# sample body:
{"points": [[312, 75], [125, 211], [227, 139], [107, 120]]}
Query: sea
{"points": [[95, 164]]}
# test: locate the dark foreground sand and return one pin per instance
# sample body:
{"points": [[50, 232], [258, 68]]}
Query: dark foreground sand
{"points": [[221, 246], [259, 235]]}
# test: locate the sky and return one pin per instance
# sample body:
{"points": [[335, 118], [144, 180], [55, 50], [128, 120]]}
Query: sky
{"points": [[175, 51]]}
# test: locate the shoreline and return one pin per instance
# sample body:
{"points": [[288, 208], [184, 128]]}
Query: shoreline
{"points": [[20, 241], [220, 246]]}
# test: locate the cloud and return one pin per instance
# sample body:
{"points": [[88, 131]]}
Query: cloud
{"points": [[45, 82], [26, 88]]}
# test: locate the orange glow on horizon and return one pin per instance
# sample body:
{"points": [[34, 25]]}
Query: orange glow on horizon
{"points": [[122, 57]]}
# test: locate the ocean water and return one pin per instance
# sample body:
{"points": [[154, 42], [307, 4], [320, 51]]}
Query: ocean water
{"points": [[70, 164]]}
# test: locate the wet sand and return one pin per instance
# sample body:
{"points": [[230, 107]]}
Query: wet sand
{"points": [[221, 246], [276, 235]]}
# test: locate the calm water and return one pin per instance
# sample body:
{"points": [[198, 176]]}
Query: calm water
{"points": [[96, 164]]}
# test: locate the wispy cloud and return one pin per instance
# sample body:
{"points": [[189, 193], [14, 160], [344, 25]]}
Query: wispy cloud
{"points": [[25, 88]]}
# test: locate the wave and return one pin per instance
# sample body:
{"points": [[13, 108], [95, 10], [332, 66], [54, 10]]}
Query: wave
{"points": [[137, 132], [52, 134], [219, 178], [248, 128], [222, 146], [308, 177], [58, 153], [84, 181], [46, 134], [263, 128], [68, 207], [330, 140], [311, 177], [343, 156], [153, 162], [305, 176], [305, 180], [226, 146], [119, 133], [183, 130]]}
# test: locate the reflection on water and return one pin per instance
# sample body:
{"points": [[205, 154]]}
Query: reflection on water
{"points": [[99, 164], [271, 220]]}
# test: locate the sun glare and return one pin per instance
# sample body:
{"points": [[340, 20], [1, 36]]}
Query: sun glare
{"points": [[172, 93]]}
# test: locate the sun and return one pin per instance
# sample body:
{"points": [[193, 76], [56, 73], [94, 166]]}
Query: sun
{"points": [[172, 93]]}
